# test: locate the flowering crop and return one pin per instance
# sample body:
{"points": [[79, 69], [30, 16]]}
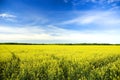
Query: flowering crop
{"points": [[59, 62]]}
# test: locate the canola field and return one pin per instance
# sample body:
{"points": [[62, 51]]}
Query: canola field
{"points": [[59, 62]]}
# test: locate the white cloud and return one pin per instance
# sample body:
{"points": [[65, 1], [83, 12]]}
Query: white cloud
{"points": [[49, 34], [56, 34], [30, 33]]}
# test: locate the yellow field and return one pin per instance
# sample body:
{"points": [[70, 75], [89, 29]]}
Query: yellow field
{"points": [[59, 62]]}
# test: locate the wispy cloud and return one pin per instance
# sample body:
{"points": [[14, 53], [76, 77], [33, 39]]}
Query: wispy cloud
{"points": [[4, 15], [7, 17], [103, 4], [103, 1], [66, 1], [103, 19], [96, 1]]}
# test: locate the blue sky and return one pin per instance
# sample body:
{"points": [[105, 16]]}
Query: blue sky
{"points": [[60, 21]]}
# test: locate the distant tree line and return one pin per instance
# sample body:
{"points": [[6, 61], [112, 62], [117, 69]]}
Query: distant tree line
{"points": [[57, 44]]}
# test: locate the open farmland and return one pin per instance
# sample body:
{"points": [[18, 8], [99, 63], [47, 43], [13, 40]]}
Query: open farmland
{"points": [[59, 62]]}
